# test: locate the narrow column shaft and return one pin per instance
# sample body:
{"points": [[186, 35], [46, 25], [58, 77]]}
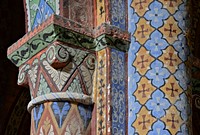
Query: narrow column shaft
{"points": [[111, 98], [159, 84]]}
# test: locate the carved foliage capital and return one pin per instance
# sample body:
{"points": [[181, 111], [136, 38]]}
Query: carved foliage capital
{"points": [[59, 68]]}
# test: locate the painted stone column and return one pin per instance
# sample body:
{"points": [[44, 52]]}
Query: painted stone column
{"points": [[59, 72], [159, 75], [75, 65]]}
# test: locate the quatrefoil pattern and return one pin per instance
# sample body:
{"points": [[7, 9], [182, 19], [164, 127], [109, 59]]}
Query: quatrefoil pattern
{"points": [[158, 75]]}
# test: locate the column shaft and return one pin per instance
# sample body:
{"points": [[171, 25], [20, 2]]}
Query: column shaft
{"points": [[159, 83]]}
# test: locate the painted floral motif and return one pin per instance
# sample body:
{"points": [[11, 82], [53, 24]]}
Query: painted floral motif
{"points": [[157, 74], [144, 29], [118, 13], [170, 30], [87, 76], [156, 44], [118, 59], [85, 113], [156, 14], [100, 12], [133, 76], [171, 5], [142, 61], [159, 129], [43, 87], [182, 47], [45, 127], [172, 89], [22, 74], [74, 125], [140, 6], [58, 76], [51, 132], [183, 106], [143, 122], [78, 55], [75, 86], [118, 111], [33, 73], [60, 110], [173, 120], [101, 92], [37, 114], [144, 90], [170, 59], [158, 104], [118, 92], [69, 132]]}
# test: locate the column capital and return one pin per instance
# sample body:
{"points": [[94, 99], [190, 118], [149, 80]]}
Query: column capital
{"points": [[59, 73]]}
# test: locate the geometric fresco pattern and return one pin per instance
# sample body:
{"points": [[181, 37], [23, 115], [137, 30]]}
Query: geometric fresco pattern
{"points": [[61, 118], [158, 75]]}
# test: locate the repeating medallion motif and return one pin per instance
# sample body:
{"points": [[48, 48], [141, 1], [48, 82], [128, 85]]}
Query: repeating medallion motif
{"points": [[143, 61], [144, 29], [158, 62]]}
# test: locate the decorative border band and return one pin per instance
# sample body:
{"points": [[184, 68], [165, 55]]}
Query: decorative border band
{"points": [[64, 30]]}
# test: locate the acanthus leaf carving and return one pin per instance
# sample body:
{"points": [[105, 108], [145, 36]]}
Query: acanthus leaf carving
{"points": [[75, 86], [71, 62], [33, 72], [59, 76], [87, 78], [43, 87]]}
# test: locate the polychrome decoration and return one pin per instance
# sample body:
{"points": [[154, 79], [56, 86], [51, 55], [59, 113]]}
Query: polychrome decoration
{"points": [[106, 67], [159, 82]]}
